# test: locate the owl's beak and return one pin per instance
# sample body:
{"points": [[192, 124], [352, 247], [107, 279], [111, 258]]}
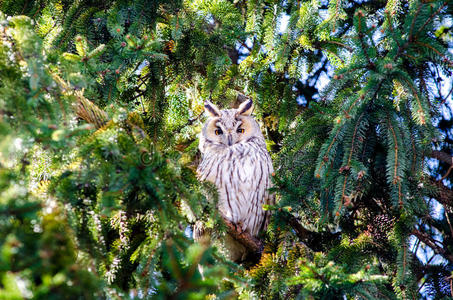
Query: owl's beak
{"points": [[230, 140]]}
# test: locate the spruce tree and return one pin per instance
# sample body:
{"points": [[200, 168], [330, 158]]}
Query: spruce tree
{"points": [[100, 106]]}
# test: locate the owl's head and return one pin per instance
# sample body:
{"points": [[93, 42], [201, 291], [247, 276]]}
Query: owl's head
{"points": [[230, 126]]}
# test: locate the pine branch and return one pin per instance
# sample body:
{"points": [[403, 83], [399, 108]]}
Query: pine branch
{"points": [[90, 112], [442, 156], [350, 49], [84, 108], [396, 178], [419, 7], [420, 108], [389, 19], [314, 240], [348, 164], [325, 159], [437, 52], [443, 194], [431, 17], [11, 211], [445, 158], [361, 36], [428, 240]]}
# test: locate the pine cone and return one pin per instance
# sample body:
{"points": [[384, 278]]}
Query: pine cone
{"points": [[379, 226]]}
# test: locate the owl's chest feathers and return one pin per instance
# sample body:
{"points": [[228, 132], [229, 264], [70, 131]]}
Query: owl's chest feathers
{"points": [[242, 175], [238, 164]]}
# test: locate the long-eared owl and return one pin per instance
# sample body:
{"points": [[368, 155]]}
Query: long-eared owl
{"points": [[235, 159]]}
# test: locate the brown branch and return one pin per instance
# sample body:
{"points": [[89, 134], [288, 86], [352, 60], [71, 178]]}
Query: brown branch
{"points": [[365, 47], [443, 194], [437, 52], [446, 97], [431, 17], [445, 158], [413, 20], [442, 156], [21, 210], [251, 243], [451, 285], [340, 44], [84, 108], [189, 123], [245, 46], [143, 93], [448, 221], [446, 174], [90, 112], [301, 231], [428, 241]]}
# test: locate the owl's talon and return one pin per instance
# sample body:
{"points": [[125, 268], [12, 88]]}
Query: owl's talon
{"points": [[239, 227]]}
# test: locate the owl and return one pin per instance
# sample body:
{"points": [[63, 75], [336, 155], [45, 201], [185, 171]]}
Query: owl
{"points": [[235, 159]]}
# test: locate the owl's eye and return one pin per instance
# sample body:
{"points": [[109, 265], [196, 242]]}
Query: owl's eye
{"points": [[240, 130], [218, 131]]}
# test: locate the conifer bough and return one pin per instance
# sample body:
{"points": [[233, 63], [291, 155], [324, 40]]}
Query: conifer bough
{"points": [[100, 106]]}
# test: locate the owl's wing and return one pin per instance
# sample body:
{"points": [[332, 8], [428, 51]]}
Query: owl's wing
{"points": [[254, 174], [242, 176]]}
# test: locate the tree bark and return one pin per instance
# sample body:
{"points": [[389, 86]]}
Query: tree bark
{"points": [[442, 157], [443, 194], [251, 243], [427, 240]]}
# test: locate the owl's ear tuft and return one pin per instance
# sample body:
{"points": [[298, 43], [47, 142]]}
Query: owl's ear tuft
{"points": [[211, 109], [245, 108]]}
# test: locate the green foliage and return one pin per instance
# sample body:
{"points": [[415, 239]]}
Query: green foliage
{"points": [[324, 279], [100, 106]]}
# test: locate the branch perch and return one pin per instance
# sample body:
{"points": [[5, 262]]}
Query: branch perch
{"points": [[250, 242]]}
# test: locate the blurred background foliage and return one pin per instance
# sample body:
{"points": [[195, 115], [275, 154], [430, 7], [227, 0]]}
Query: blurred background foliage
{"points": [[100, 106]]}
